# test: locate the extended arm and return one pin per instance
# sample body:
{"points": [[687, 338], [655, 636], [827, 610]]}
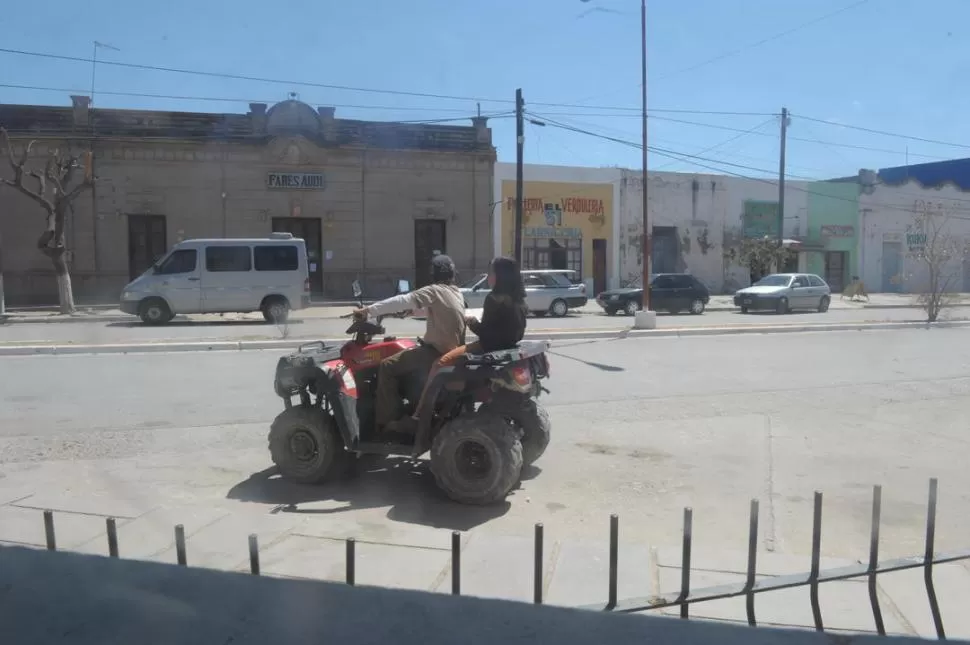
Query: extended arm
{"points": [[419, 299]]}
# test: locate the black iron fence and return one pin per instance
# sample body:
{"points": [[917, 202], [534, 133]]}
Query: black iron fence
{"points": [[685, 596]]}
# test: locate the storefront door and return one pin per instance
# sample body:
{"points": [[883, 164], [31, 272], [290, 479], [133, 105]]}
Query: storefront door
{"points": [[835, 270]]}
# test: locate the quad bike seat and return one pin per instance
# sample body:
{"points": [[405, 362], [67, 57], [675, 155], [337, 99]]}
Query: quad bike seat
{"points": [[522, 350]]}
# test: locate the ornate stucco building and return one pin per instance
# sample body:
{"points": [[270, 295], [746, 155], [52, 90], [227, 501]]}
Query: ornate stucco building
{"points": [[372, 200]]}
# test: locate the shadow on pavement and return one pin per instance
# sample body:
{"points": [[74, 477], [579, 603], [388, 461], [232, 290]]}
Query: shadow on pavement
{"points": [[405, 485], [599, 366]]}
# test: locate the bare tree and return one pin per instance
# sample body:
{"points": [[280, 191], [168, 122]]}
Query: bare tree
{"points": [[757, 254], [941, 253], [58, 185]]}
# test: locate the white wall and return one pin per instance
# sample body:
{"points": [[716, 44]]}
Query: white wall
{"points": [[887, 213], [705, 209]]}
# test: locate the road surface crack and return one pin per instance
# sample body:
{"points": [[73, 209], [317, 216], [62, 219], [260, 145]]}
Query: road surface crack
{"points": [[770, 487]]}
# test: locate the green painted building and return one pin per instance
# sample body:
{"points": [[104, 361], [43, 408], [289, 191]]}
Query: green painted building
{"points": [[831, 239]]}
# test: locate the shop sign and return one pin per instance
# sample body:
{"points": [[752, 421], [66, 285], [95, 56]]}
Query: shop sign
{"points": [[837, 231], [553, 231], [295, 180], [760, 219]]}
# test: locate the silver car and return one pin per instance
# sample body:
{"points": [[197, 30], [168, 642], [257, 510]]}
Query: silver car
{"points": [[785, 292], [549, 291]]}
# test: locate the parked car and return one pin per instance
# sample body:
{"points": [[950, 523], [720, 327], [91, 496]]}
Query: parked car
{"points": [[551, 291], [673, 292], [223, 275], [785, 292]]}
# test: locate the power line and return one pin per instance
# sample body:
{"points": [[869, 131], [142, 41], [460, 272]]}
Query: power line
{"points": [[802, 139], [661, 151], [884, 133], [723, 143], [348, 88], [769, 39], [671, 154]]}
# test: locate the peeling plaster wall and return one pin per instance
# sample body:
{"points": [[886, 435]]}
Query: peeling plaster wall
{"points": [[707, 212], [887, 214]]}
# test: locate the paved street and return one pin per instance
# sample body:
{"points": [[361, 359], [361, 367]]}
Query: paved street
{"points": [[642, 428], [332, 327]]}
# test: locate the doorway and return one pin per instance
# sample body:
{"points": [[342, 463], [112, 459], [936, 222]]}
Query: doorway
{"points": [[147, 242], [892, 267], [307, 229], [599, 265], [429, 238], [664, 249], [835, 270]]}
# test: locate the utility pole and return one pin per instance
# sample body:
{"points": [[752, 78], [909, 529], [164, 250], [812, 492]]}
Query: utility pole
{"points": [[643, 179], [781, 177], [519, 150]]}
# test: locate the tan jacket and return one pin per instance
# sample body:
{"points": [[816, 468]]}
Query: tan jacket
{"points": [[445, 307]]}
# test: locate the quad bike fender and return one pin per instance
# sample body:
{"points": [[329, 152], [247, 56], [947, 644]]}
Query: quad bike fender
{"points": [[344, 408]]}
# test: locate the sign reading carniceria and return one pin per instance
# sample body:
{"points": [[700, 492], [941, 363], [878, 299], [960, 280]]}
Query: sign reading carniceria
{"points": [[295, 180]]}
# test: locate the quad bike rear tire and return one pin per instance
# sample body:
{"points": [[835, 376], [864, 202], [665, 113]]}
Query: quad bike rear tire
{"points": [[529, 415], [477, 459], [306, 446]]}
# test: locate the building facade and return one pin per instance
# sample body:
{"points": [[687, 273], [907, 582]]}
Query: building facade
{"points": [[696, 220], [893, 241], [372, 200], [569, 220]]}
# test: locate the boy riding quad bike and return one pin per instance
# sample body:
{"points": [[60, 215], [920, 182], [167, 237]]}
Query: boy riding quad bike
{"points": [[480, 418]]}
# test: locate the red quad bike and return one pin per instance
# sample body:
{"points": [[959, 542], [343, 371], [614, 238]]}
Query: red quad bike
{"points": [[481, 419]]}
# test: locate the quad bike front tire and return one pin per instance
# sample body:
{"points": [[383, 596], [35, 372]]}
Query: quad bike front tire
{"points": [[530, 416], [477, 459], [306, 446]]}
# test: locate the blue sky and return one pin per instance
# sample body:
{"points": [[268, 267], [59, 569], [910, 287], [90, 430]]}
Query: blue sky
{"points": [[899, 66]]}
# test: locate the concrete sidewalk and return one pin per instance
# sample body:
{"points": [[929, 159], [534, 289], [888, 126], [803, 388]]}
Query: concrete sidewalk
{"points": [[109, 313], [407, 556]]}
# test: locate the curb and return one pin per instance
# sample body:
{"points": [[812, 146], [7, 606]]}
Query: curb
{"points": [[10, 319], [579, 334]]}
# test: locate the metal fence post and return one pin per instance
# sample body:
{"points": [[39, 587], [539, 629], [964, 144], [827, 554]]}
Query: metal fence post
{"points": [[180, 545], [49, 531], [685, 562], [874, 559], [816, 558], [752, 562], [928, 559], [351, 564], [254, 554], [112, 531], [537, 566], [614, 561], [456, 563]]}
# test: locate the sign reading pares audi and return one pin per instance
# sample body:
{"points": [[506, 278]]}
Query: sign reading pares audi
{"points": [[295, 180]]}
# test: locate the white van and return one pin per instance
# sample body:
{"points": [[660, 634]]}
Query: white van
{"points": [[223, 275]]}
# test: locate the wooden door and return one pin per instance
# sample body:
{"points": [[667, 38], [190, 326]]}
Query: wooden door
{"points": [[429, 238], [599, 266], [147, 242]]}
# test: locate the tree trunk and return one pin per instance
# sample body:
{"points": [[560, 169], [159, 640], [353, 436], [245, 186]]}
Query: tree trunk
{"points": [[65, 293]]}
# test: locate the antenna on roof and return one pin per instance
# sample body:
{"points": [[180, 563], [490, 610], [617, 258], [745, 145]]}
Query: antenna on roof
{"points": [[294, 96], [94, 63]]}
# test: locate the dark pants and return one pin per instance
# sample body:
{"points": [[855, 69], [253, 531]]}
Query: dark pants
{"points": [[415, 360]]}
